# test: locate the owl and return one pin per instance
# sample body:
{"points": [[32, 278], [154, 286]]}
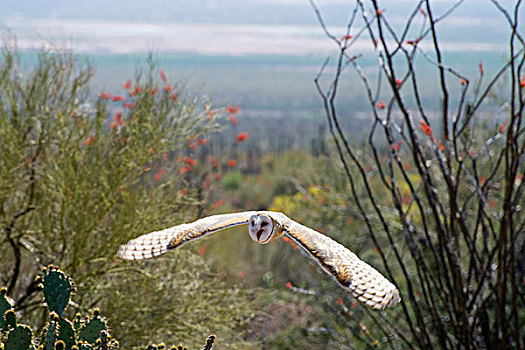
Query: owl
{"points": [[363, 282]]}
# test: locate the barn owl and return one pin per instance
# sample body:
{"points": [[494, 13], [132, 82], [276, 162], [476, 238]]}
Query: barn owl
{"points": [[363, 282]]}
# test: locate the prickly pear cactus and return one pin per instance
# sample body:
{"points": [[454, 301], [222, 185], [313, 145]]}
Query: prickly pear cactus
{"points": [[66, 334], [90, 332], [19, 338], [5, 305], [57, 289], [50, 336]]}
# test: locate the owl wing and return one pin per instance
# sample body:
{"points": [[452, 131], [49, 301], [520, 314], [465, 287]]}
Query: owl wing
{"points": [[159, 242], [363, 282]]}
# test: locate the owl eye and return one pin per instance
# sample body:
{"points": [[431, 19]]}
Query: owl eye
{"points": [[264, 223]]}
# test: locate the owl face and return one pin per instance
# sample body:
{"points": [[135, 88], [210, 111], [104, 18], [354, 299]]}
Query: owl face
{"points": [[263, 228]]}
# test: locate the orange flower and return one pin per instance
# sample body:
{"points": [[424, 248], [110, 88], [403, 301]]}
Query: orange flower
{"points": [[233, 119], [242, 137], [182, 192], [482, 180], [189, 161], [218, 176], [522, 81], [113, 126], [376, 249], [233, 109], [232, 162], [399, 82], [462, 81], [217, 204], [163, 76], [340, 301], [289, 285], [440, 146], [105, 95], [127, 85], [346, 37], [167, 88], [203, 250], [501, 127], [213, 159], [117, 98], [380, 12], [381, 104], [397, 146], [89, 140], [185, 169], [174, 96], [215, 165]]}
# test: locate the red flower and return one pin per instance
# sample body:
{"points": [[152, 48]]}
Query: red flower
{"points": [[381, 104], [154, 92], [174, 96], [215, 165], [127, 85], [425, 128], [399, 82], [185, 169], [189, 161], [129, 105], [501, 127], [89, 140], [191, 145], [340, 301], [203, 250], [202, 142], [167, 88], [118, 118], [440, 146], [481, 70], [462, 81], [105, 95], [218, 176], [137, 90], [213, 159], [211, 114], [346, 37], [380, 12], [163, 76], [522, 81], [233, 119], [113, 126], [482, 180], [289, 285], [232, 162], [376, 249], [242, 137], [397, 146], [413, 42], [182, 192], [117, 98], [159, 174], [242, 274], [233, 109], [217, 204]]}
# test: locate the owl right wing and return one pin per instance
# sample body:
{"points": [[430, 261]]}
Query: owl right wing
{"points": [[156, 243], [363, 282]]}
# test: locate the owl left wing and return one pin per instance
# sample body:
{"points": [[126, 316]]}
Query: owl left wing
{"points": [[364, 282], [156, 243]]}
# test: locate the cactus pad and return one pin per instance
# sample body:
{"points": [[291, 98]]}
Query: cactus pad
{"points": [[5, 305], [19, 338], [66, 333], [92, 328], [57, 290]]}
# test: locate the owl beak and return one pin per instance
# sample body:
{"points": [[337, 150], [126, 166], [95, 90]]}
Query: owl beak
{"points": [[258, 234]]}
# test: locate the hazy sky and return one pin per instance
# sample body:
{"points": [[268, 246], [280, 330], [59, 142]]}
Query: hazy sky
{"points": [[232, 27]]}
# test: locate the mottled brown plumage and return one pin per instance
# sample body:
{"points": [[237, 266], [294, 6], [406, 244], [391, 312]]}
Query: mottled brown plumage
{"points": [[363, 282]]}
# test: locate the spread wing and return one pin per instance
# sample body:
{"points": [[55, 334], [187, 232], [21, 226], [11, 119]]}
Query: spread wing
{"points": [[159, 242], [364, 282]]}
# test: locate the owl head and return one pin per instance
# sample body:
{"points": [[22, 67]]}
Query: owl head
{"points": [[263, 228]]}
